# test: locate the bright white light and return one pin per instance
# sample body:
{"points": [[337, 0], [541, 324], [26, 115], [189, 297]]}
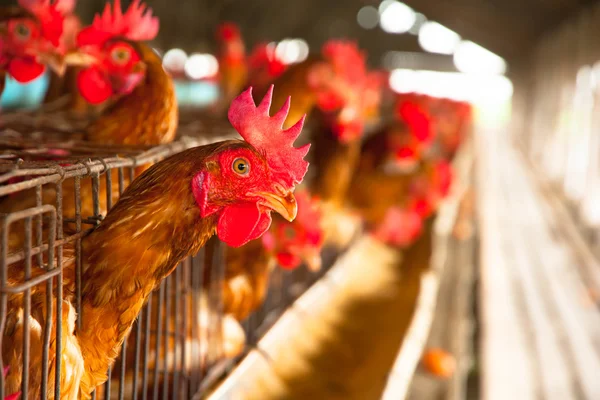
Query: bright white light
{"points": [[384, 4], [402, 80], [585, 78], [397, 18], [291, 51], [482, 89], [596, 74], [420, 19], [175, 59], [200, 66], [367, 17], [303, 49], [436, 38], [472, 58]]}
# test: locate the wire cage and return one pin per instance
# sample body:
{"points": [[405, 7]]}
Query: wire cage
{"points": [[176, 348]]}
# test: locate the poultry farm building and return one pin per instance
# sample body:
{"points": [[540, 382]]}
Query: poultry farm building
{"points": [[360, 200]]}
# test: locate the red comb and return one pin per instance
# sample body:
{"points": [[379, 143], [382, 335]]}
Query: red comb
{"points": [[228, 31], [137, 24], [400, 227], [443, 176], [417, 119], [13, 396], [266, 135], [51, 17], [65, 6], [346, 58], [263, 56], [309, 216]]}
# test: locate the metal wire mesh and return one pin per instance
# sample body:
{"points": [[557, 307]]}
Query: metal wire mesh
{"points": [[53, 192]]}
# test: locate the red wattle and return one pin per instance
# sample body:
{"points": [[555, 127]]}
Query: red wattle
{"points": [[94, 86], [288, 261], [242, 223], [25, 70]]}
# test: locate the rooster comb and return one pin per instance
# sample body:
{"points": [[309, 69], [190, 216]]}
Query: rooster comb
{"points": [[51, 15], [136, 24], [348, 60], [228, 31], [309, 209], [266, 134], [417, 119]]}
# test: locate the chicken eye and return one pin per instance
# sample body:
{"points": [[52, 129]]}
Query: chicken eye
{"points": [[241, 166], [22, 31], [120, 55], [290, 232]]}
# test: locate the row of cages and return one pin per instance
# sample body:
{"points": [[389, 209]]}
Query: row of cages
{"points": [[182, 342], [560, 117]]}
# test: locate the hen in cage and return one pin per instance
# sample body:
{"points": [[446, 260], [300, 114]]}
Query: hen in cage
{"points": [[287, 244], [34, 37], [166, 214], [402, 176], [125, 77]]}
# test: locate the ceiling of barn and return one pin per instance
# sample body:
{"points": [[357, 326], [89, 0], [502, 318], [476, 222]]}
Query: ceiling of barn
{"points": [[506, 27]]}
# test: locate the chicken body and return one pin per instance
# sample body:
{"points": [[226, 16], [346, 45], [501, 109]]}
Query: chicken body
{"points": [[117, 279], [147, 116]]}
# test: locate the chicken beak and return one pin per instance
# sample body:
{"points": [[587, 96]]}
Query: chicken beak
{"points": [[312, 258], [79, 59], [55, 61], [283, 204]]}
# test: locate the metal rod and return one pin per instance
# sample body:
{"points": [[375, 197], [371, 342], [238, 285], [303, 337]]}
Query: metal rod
{"points": [[147, 347], [161, 301], [138, 347], [26, 311]]}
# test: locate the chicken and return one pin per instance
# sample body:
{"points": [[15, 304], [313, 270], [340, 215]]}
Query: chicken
{"points": [[13, 396], [116, 65], [31, 38], [264, 66], [287, 244], [335, 85], [60, 86], [165, 215], [233, 68], [400, 179]]}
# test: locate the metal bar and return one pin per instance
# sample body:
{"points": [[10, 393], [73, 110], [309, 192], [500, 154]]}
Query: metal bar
{"points": [[26, 311], [49, 309], [3, 296], [123, 369], [31, 282], [186, 276], [109, 200], [138, 347], [38, 223], [59, 284], [121, 181], [161, 300], [20, 256], [78, 260], [167, 354], [197, 334], [96, 195], [107, 384], [147, 346], [179, 334]]}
